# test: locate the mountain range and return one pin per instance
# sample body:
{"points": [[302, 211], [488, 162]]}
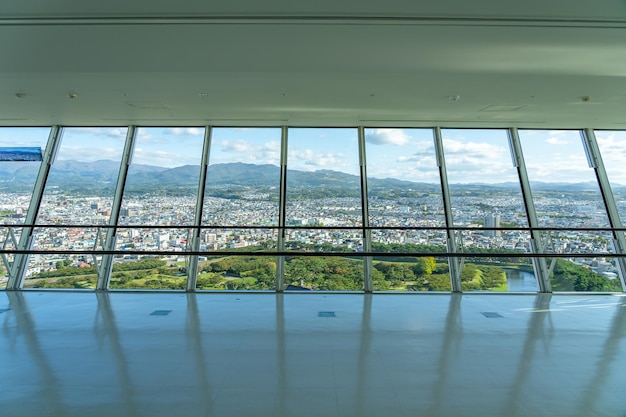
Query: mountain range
{"points": [[92, 177]]}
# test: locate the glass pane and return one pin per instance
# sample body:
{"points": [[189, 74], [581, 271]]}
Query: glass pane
{"points": [[162, 182], [79, 191], [323, 273], [485, 193], [217, 272], [248, 240], [153, 239], [323, 178], [237, 273], [567, 196], [404, 190], [612, 146], [425, 273], [243, 179], [242, 189], [149, 272], [585, 274], [403, 179], [161, 190], [17, 179], [323, 194]]}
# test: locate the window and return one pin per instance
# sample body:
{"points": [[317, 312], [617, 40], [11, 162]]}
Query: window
{"points": [[404, 192], [567, 197], [485, 193], [79, 193], [159, 203], [272, 193], [242, 189], [17, 179], [323, 209]]}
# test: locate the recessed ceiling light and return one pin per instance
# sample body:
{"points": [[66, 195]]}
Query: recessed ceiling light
{"points": [[503, 107], [454, 98], [203, 94], [72, 96], [148, 104]]}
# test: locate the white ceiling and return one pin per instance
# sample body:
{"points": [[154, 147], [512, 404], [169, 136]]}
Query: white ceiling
{"points": [[329, 62]]}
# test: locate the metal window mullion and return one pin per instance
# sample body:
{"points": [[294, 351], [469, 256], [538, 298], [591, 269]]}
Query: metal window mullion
{"points": [[282, 210], [192, 268], [536, 241], [595, 161], [106, 267], [9, 238], [367, 233], [454, 263], [20, 261]]}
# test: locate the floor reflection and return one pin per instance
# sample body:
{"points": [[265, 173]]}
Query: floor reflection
{"points": [[49, 384], [450, 348], [105, 328], [273, 355], [540, 330]]}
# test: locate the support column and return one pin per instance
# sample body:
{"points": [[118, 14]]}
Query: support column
{"points": [[282, 211], [537, 243], [367, 233], [192, 266], [455, 264], [106, 267], [18, 269], [595, 161]]}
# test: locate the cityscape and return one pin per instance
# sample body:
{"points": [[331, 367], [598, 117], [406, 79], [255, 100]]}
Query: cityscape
{"points": [[323, 212], [329, 214]]}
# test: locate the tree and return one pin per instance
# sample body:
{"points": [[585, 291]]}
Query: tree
{"points": [[424, 266]]}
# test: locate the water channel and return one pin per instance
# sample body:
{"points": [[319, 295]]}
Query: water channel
{"points": [[521, 281]]}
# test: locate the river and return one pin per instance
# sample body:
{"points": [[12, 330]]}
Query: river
{"points": [[521, 281]]}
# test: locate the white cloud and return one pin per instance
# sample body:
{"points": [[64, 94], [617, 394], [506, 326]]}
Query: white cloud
{"points": [[473, 149], [613, 150], [110, 132], [250, 152], [421, 160], [163, 158], [310, 160], [387, 137], [556, 141], [468, 162], [428, 172], [89, 154], [561, 168], [193, 131], [555, 132], [145, 134]]}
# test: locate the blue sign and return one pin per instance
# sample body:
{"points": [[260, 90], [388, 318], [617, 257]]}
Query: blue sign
{"points": [[20, 154]]}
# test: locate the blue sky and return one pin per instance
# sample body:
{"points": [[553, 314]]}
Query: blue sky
{"points": [[471, 155]]}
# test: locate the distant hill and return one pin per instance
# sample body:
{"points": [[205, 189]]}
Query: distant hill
{"points": [[230, 179]]}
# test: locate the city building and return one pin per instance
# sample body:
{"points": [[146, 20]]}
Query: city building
{"points": [[232, 196], [492, 220]]}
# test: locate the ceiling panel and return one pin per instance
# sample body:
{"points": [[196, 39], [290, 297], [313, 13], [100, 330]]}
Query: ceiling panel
{"points": [[314, 72]]}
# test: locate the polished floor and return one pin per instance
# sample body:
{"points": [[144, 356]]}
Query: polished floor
{"points": [[323, 355]]}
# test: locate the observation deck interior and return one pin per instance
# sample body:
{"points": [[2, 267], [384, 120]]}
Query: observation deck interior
{"points": [[272, 172]]}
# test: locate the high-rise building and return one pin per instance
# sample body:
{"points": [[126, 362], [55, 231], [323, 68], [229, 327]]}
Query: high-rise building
{"points": [[492, 220]]}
